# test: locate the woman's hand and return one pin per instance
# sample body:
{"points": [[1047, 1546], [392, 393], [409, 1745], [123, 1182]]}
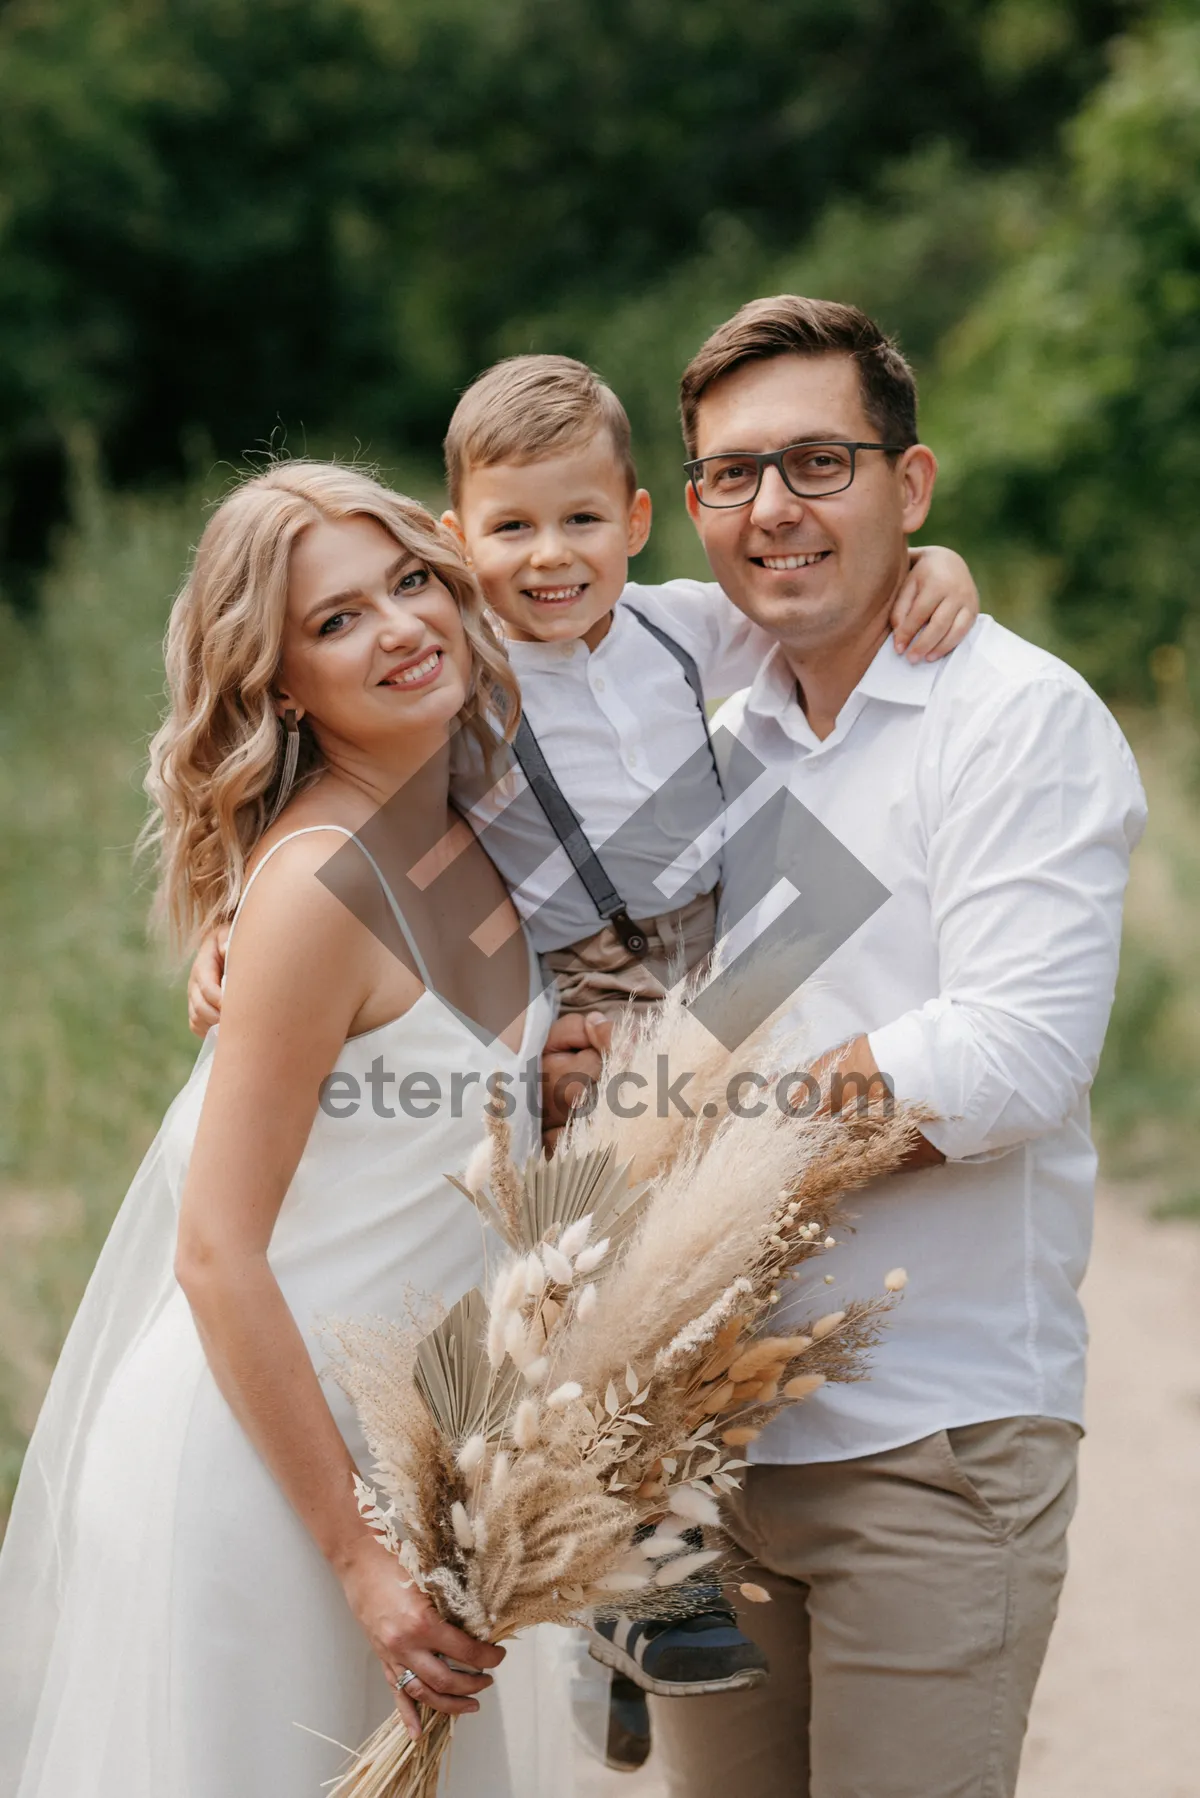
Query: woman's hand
{"points": [[571, 1060], [407, 1634], [204, 982], [936, 606]]}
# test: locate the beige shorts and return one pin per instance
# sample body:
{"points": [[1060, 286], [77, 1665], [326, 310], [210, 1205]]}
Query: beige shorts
{"points": [[600, 974], [913, 1593]]}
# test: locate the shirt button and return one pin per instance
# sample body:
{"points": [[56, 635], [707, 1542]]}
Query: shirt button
{"points": [[599, 683]]}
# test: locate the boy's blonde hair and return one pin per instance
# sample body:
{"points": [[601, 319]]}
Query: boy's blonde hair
{"points": [[529, 407]]}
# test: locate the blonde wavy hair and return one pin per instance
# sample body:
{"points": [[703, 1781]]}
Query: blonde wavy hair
{"points": [[216, 762]]}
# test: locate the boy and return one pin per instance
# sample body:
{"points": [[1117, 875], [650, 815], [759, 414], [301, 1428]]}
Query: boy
{"points": [[614, 743], [611, 840]]}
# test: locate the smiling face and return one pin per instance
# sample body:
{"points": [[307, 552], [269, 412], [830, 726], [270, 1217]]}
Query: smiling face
{"points": [[374, 650], [818, 574], [550, 541]]}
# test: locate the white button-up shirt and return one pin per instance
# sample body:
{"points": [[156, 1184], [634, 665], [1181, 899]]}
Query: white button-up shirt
{"points": [[996, 800], [616, 724]]}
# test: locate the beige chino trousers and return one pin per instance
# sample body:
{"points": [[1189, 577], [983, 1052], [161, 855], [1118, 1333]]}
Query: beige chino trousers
{"points": [[913, 1594], [600, 974]]}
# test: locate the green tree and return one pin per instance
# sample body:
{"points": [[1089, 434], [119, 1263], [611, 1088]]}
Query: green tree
{"points": [[328, 214], [1069, 396]]}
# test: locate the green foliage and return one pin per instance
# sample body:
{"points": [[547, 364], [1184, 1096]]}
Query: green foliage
{"points": [[1068, 396], [1145, 1095], [327, 215], [93, 1034]]}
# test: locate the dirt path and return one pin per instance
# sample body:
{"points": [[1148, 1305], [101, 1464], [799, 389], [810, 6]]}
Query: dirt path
{"points": [[1117, 1713]]}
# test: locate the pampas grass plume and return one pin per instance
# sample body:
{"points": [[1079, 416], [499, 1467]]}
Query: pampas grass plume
{"points": [[516, 1341], [478, 1164], [513, 1289], [497, 1327], [557, 1265], [574, 1238], [464, 1535], [471, 1454], [623, 1582], [525, 1430], [588, 1260], [656, 1547], [802, 1386], [696, 1506], [535, 1274], [676, 1571], [824, 1325]]}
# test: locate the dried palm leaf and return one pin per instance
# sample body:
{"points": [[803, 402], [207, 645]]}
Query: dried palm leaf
{"points": [[465, 1394], [559, 1191], [552, 1193]]}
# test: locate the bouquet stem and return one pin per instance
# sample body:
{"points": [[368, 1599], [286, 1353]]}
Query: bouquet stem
{"points": [[392, 1765]]}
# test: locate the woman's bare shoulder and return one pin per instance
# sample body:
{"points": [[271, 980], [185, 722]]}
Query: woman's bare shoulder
{"points": [[305, 921]]}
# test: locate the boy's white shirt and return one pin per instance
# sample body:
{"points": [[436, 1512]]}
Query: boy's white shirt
{"points": [[615, 724]]}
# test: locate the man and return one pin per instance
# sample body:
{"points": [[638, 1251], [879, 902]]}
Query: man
{"points": [[911, 1529]]}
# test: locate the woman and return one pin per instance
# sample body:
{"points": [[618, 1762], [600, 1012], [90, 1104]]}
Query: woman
{"points": [[187, 1590]]}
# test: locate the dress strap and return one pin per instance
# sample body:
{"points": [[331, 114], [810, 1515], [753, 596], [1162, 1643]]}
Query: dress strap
{"points": [[311, 830]]}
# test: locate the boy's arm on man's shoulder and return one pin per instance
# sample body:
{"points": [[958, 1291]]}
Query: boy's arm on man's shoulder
{"points": [[728, 648], [1028, 858]]}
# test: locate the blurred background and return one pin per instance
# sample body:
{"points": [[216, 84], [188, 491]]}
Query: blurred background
{"points": [[305, 225]]}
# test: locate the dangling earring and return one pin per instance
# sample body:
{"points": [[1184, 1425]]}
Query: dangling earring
{"points": [[291, 755]]}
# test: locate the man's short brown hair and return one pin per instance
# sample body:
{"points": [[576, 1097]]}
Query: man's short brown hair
{"points": [[529, 407], [790, 325]]}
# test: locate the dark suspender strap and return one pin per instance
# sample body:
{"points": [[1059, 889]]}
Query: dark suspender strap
{"points": [[570, 833], [691, 675], [561, 815]]}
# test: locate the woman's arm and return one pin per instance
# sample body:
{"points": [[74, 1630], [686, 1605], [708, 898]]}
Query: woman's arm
{"points": [[301, 969]]}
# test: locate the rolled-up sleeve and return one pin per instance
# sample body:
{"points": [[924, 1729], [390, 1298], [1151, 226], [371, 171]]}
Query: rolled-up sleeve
{"points": [[1028, 857]]}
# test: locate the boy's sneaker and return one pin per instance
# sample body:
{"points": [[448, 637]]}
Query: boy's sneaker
{"points": [[679, 1658], [628, 1745]]}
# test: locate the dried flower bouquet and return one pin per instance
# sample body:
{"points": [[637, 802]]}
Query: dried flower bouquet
{"points": [[604, 1388]]}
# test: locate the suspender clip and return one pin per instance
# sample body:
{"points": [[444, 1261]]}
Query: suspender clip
{"points": [[633, 938]]}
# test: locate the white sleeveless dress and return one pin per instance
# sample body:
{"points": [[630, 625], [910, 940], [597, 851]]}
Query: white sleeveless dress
{"points": [[166, 1623]]}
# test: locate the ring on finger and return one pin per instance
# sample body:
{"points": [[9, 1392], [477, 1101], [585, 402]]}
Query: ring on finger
{"points": [[405, 1679]]}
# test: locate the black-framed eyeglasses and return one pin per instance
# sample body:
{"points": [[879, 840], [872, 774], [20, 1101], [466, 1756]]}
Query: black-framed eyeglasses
{"points": [[809, 470]]}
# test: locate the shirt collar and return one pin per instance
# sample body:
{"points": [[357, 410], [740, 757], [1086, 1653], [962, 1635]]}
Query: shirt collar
{"points": [[548, 658], [890, 678]]}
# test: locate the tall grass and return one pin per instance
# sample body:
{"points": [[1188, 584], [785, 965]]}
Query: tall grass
{"points": [[93, 1036], [1146, 1095]]}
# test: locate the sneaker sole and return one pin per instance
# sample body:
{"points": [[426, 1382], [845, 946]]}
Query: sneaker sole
{"points": [[609, 1655]]}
